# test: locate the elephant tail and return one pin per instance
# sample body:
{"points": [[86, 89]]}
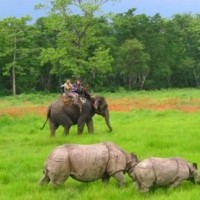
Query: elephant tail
{"points": [[48, 115]]}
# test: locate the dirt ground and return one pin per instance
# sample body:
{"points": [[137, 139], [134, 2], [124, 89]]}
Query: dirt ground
{"points": [[192, 105], [120, 105]]}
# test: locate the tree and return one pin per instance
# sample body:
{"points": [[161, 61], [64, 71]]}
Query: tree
{"points": [[15, 43], [99, 66], [189, 64], [133, 63], [76, 41]]}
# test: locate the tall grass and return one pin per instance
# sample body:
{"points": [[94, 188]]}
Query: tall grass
{"points": [[24, 148]]}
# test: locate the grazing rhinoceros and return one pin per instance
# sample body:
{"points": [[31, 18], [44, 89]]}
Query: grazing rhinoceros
{"points": [[163, 172], [87, 163]]}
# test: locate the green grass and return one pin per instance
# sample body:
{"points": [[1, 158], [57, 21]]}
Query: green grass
{"points": [[24, 148]]}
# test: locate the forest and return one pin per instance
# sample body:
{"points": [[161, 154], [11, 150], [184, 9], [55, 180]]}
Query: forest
{"points": [[110, 52]]}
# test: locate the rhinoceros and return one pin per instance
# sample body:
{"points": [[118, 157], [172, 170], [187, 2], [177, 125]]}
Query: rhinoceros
{"points": [[163, 172], [87, 163]]}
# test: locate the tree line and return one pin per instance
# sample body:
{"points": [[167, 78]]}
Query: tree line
{"points": [[109, 51]]}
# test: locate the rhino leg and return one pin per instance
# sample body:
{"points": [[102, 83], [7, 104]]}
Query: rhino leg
{"points": [[119, 176], [141, 187], [144, 188], [145, 180], [56, 180], [105, 179], [44, 179], [175, 184], [58, 172]]}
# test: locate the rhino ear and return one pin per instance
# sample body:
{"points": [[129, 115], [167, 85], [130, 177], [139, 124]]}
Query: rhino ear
{"points": [[134, 156], [195, 165]]}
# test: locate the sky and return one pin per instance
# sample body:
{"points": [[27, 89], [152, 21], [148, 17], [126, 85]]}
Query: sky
{"points": [[166, 8]]}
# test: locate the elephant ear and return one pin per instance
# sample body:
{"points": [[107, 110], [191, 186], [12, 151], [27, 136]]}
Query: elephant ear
{"points": [[96, 104]]}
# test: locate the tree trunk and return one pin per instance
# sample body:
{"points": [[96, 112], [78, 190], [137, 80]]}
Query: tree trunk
{"points": [[142, 79], [196, 77], [13, 67]]}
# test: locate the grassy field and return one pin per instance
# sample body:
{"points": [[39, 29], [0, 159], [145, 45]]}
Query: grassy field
{"points": [[166, 133]]}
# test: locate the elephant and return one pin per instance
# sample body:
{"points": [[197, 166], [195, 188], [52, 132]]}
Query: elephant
{"points": [[87, 163], [164, 172], [68, 114]]}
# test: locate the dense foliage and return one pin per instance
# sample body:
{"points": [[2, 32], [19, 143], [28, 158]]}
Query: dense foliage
{"points": [[109, 51]]}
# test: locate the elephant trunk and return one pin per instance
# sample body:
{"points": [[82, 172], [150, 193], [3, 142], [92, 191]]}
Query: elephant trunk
{"points": [[107, 119]]}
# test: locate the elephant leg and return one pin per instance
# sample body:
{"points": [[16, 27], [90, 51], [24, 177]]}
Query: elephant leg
{"points": [[80, 126], [66, 131], [119, 176], [66, 123], [53, 128], [90, 126]]}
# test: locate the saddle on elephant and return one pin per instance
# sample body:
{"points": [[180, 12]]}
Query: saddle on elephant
{"points": [[73, 98], [68, 100]]}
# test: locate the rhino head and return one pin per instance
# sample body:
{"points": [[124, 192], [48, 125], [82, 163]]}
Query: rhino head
{"points": [[194, 174], [132, 161]]}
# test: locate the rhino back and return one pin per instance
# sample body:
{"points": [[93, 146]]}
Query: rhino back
{"points": [[59, 154], [184, 169], [168, 170], [165, 169], [88, 162]]}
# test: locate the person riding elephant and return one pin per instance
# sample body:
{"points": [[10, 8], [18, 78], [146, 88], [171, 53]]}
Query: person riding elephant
{"points": [[85, 92], [70, 90], [77, 87], [67, 115], [67, 87]]}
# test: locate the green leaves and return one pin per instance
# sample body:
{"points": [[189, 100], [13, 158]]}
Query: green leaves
{"points": [[121, 50], [134, 60], [101, 62]]}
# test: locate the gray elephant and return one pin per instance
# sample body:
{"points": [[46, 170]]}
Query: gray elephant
{"points": [[68, 114], [164, 172], [87, 163]]}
